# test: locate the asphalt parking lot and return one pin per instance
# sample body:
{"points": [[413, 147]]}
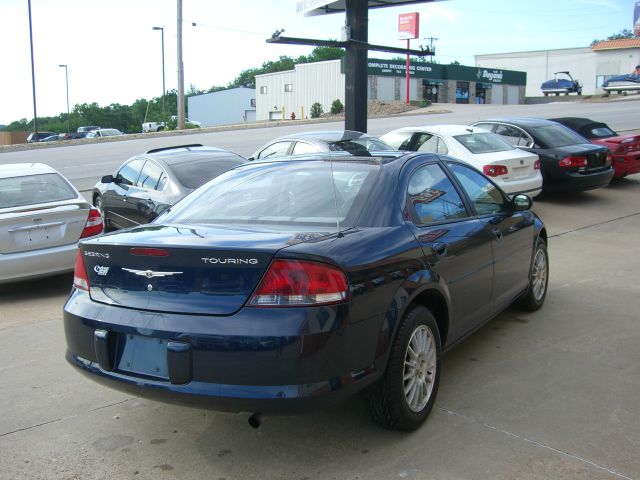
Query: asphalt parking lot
{"points": [[549, 395]]}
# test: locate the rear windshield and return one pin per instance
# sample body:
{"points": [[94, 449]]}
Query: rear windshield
{"points": [[601, 132], [291, 193], [550, 136], [34, 189], [483, 143], [360, 146], [195, 173]]}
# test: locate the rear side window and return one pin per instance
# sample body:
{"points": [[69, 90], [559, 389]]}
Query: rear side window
{"points": [[433, 197], [361, 145], [34, 189], [425, 142], [513, 135], [151, 176], [479, 143], [307, 192]]}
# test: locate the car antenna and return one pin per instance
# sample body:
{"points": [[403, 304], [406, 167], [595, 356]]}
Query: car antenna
{"points": [[335, 197]]}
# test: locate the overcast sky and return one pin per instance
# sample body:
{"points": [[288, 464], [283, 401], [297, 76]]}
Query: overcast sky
{"points": [[114, 56]]}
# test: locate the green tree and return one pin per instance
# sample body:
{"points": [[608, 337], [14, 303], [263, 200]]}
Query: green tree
{"points": [[624, 33], [316, 110]]}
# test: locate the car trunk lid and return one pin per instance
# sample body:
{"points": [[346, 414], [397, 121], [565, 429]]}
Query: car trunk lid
{"points": [[519, 163], [45, 225], [176, 269]]}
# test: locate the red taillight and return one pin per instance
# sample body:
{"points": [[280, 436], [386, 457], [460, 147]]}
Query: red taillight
{"points": [[494, 170], [94, 224], [80, 278], [292, 283], [620, 150], [573, 162], [149, 252], [536, 165]]}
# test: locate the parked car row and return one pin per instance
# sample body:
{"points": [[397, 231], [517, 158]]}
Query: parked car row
{"points": [[83, 132]]}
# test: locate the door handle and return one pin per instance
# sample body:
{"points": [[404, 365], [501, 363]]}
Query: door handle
{"points": [[497, 233], [439, 248], [124, 198]]}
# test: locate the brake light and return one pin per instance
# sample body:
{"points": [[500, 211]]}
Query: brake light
{"points": [[494, 170], [80, 278], [573, 162], [292, 283], [536, 165], [607, 162], [94, 224], [149, 252]]}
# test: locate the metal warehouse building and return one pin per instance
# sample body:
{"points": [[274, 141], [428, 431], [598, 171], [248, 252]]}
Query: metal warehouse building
{"points": [[294, 91], [235, 105], [591, 65]]}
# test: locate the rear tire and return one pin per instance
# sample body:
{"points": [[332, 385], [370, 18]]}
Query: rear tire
{"points": [[407, 391], [99, 204], [538, 281]]}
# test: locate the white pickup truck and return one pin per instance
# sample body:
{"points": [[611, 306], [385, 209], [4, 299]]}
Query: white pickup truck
{"points": [[153, 127]]}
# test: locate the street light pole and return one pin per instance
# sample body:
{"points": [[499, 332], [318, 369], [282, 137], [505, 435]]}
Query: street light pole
{"points": [[164, 89], [66, 75], [33, 76], [181, 109]]}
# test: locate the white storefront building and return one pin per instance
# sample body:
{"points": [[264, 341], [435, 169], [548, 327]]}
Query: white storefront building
{"points": [[590, 65]]}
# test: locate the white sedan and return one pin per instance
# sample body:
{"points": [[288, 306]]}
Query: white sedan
{"points": [[42, 217], [514, 170]]}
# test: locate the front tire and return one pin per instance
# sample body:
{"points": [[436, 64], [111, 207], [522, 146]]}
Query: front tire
{"points": [[407, 391], [538, 281]]}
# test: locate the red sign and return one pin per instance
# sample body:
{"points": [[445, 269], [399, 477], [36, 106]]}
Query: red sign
{"points": [[408, 25]]}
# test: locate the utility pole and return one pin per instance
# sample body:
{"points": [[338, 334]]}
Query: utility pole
{"points": [[431, 40], [164, 88], [181, 116]]}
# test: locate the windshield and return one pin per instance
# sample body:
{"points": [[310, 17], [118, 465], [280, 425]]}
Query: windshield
{"points": [[483, 143], [195, 173], [601, 132], [361, 145], [291, 193], [549, 136], [34, 189]]}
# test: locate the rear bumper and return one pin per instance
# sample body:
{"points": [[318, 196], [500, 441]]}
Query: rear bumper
{"points": [[37, 263], [626, 164], [528, 186], [573, 181], [283, 361]]}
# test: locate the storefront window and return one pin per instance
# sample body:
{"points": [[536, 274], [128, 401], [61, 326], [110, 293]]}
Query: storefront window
{"points": [[462, 92]]}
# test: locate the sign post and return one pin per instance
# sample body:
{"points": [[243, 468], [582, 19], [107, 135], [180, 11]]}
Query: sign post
{"points": [[408, 28]]}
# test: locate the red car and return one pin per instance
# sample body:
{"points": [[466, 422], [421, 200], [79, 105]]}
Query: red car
{"points": [[625, 149]]}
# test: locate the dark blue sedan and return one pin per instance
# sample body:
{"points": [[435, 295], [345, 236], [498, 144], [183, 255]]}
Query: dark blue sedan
{"points": [[283, 285]]}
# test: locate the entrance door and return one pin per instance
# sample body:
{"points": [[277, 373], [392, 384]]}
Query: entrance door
{"points": [[462, 92]]}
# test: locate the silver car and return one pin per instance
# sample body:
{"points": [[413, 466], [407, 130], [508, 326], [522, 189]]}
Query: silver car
{"points": [[42, 217]]}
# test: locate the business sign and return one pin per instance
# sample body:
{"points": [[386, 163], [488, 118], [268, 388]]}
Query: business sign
{"points": [[636, 20], [408, 25]]}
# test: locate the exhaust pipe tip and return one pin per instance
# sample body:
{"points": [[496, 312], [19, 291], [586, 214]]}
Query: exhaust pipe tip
{"points": [[255, 420]]}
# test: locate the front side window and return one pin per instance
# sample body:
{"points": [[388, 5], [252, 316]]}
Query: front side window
{"points": [[484, 195], [303, 147], [128, 174], [432, 196]]}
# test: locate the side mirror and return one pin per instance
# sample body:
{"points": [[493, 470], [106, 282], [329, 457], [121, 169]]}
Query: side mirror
{"points": [[107, 179], [521, 202]]}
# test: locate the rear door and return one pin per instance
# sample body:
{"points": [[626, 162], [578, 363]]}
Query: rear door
{"points": [[147, 200], [455, 244]]}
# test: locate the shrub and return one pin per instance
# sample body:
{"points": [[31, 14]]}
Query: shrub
{"points": [[316, 110], [337, 107], [425, 103]]}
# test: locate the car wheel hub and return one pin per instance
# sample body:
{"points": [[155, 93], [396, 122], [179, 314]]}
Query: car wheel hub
{"points": [[419, 369]]}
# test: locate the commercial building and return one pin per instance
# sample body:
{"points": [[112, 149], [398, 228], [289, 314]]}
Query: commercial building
{"points": [[590, 65], [294, 91], [234, 105]]}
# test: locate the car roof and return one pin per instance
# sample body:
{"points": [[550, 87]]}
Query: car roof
{"points": [[184, 153], [379, 158], [23, 169], [521, 121], [445, 129], [325, 135]]}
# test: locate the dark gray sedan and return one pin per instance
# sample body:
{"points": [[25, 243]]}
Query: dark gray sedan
{"points": [[346, 142], [147, 184]]}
